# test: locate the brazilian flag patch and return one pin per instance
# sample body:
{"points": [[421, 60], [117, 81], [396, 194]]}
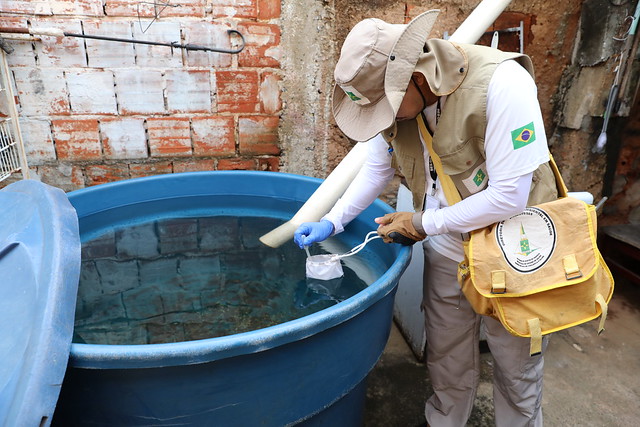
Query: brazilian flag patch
{"points": [[523, 136]]}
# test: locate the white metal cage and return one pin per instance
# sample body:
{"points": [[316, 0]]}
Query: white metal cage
{"points": [[12, 155], [9, 161]]}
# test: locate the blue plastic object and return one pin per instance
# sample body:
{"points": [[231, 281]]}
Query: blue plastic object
{"points": [[39, 271], [309, 371]]}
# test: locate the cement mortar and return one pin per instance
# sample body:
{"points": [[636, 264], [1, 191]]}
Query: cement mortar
{"points": [[307, 62]]}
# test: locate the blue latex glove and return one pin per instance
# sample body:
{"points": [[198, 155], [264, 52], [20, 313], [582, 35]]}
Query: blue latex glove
{"points": [[312, 232]]}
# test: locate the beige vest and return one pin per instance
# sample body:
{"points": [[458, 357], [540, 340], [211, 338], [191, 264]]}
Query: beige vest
{"points": [[459, 137]]}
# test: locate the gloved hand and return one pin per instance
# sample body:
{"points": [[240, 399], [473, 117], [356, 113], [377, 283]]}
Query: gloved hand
{"points": [[312, 232], [401, 227]]}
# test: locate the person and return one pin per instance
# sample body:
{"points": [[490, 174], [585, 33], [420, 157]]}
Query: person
{"points": [[484, 123]]}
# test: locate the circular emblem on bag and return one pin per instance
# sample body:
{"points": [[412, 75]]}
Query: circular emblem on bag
{"points": [[527, 240]]}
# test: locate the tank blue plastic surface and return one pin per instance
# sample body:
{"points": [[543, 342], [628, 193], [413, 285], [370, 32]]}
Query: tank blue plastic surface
{"points": [[39, 270], [302, 371]]}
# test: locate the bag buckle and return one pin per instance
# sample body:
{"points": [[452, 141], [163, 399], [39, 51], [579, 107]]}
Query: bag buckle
{"points": [[463, 272], [571, 269], [498, 282]]}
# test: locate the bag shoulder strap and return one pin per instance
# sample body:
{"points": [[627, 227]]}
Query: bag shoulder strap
{"points": [[450, 190]]}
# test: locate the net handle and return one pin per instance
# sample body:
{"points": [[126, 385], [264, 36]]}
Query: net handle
{"points": [[372, 235]]}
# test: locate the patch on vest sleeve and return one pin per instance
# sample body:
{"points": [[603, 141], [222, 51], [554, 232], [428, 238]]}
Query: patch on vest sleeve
{"points": [[523, 136], [477, 179]]}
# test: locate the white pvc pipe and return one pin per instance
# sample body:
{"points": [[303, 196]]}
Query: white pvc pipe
{"points": [[334, 186], [323, 199], [478, 21]]}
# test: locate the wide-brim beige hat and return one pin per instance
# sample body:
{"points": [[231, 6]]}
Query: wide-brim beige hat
{"points": [[374, 69]]}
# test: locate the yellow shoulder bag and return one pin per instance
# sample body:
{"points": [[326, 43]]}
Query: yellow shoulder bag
{"points": [[539, 271]]}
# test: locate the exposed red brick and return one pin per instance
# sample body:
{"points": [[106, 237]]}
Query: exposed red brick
{"points": [[270, 99], [164, 31], [91, 92], [76, 7], [234, 9], [139, 92], [41, 92], [214, 135], [27, 7], [188, 91], [238, 91], [147, 11], [258, 135], [65, 176], [123, 138], [262, 47], [236, 164], [101, 174], [12, 22], [212, 34], [271, 164], [76, 139], [149, 169], [169, 136], [106, 54], [269, 9], [60, 51], [193, 165], [38, 141], [195, 8]]}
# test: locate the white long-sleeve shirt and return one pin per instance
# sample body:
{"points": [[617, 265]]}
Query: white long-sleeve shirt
{"points": [[511, 104]]}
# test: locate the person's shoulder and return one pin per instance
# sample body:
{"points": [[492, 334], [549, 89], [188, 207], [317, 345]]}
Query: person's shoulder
{"points": [[510, 72]]}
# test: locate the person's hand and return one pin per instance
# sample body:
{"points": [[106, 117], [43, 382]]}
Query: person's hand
{"points": [[312, 232], [401, 227]]}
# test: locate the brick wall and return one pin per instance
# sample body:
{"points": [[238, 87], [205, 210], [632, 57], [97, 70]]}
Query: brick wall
{"points": [[93, 111]]}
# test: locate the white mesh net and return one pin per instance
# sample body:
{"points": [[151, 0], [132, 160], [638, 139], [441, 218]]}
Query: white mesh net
{"points": [[328, 266]]}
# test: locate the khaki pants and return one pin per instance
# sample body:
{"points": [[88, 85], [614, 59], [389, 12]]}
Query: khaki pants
{"points": [[453, 359]]}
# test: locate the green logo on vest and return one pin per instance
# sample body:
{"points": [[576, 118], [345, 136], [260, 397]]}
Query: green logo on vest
{"points": [[523, 136], [479, 178], [353, 96]]}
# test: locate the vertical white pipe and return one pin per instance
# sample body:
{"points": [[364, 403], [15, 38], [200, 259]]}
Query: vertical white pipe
{"points": [[334, 186]]}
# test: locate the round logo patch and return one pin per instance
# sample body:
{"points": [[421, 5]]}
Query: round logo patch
{"points": [[527, 240]]}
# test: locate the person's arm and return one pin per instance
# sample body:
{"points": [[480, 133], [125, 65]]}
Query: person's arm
{"points": [[372, 179], [498, 201]]}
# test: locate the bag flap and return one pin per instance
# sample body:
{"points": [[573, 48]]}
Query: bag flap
{"points": [[545, 247]]}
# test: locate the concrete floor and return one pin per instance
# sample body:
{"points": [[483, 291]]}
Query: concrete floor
{"points": [[590, 380]]}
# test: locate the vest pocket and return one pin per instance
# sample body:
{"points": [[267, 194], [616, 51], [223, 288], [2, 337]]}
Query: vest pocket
{"points": [[407, 166], [465, 157]]}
